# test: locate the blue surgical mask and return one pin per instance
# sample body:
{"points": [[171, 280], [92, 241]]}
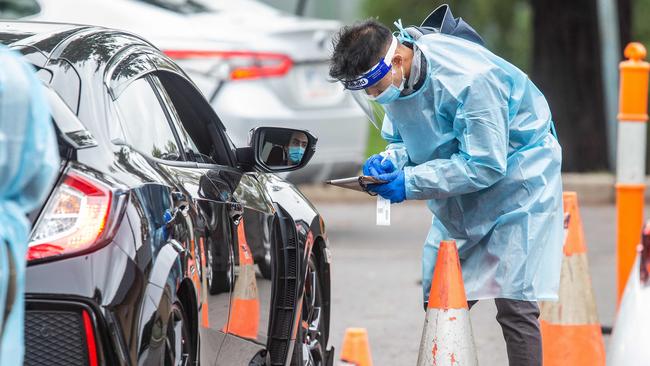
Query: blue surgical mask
{"points": [[295, 154], [391, 93]]}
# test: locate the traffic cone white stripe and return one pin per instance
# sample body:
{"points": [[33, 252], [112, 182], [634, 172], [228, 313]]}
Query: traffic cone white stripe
{"points": [[447, 339], [578, 304], [447, 335]]}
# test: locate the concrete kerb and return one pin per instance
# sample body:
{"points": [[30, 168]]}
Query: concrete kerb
{"points": [[592, 188]]}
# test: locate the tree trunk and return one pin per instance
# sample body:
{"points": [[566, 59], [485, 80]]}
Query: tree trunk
{"points": [[567, 68]]}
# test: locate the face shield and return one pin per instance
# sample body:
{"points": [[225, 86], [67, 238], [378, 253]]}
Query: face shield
{"points": [[358, 87], [373, 110]]}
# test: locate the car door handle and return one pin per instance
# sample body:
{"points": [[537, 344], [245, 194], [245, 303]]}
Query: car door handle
{"points": [[236, 211]]}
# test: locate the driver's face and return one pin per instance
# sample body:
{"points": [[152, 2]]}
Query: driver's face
{"points": [[298, 140]]}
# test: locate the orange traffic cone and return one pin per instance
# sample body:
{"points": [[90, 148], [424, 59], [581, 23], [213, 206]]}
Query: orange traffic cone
{"points": [[447, 336], [571, 333], [355, 350], [205, 312], [244, 319]]}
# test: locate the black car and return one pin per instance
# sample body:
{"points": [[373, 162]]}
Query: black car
{"points": [[161, 243]]}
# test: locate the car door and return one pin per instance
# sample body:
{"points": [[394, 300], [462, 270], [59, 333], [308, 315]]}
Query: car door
{"points": [[160, 210], [204, 138], [209, 213]]}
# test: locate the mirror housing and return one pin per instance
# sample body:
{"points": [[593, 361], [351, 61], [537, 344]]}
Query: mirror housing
{"points": [[277, 149]]}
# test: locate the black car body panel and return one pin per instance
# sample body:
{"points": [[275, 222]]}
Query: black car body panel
{"points": [[168, 217]]}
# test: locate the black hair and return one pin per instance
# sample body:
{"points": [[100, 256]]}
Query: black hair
{"points": [[357, 48]]}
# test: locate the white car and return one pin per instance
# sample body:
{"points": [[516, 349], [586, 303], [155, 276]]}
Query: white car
{"points": [[240, 50]]}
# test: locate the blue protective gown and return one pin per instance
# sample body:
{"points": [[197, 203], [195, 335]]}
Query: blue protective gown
{"points": [[29, 160], [475, 142]]}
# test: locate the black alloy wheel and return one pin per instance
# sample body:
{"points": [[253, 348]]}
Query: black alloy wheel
{"points": [[311, 341], [178, 343]]}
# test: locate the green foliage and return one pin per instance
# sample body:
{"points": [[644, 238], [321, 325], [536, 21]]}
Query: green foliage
{"points": [[640, 23], [504, 24], [376, 143]]}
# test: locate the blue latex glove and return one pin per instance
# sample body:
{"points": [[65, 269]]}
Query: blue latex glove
{"points": [[376, 165], [394, 189]]}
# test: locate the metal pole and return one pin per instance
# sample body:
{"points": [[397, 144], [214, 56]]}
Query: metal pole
{"points": [[610, 51]]}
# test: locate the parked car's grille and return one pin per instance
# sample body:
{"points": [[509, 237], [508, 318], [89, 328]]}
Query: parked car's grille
{"points": [[54, 338]]}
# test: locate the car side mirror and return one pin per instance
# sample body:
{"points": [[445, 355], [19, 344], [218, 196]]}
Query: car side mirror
{"points": [[277, 149]]}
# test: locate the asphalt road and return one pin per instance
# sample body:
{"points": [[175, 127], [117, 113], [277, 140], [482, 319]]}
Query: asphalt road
{"points": [[376, 273]]}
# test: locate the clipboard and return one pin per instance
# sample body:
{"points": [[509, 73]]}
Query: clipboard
{"points": [[359, 183]]}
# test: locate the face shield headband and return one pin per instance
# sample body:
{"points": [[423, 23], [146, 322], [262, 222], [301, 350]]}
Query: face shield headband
{"points": [[376, 73]]}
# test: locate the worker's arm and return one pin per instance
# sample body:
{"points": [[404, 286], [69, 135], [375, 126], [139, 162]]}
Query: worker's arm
{"points": [[480, 122]]}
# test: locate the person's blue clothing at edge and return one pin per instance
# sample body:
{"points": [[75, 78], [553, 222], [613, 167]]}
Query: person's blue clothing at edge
{"points": [[28, 164]]}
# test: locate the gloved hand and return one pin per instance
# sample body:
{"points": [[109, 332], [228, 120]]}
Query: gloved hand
{"points": [[374, 166], [394, 189]]}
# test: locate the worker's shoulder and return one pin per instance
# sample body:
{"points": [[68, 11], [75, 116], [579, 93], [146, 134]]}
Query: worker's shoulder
{"points": [[452, 55], [449, 42]]}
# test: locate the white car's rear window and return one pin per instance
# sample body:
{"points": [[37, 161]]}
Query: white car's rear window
{"points": [[16, 9]]}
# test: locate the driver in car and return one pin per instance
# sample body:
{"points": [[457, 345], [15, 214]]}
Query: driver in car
{"points": [[296, 148], [291, 153]]}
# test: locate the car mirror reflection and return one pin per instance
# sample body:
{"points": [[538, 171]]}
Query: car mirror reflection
{"points": [[282, 149]]}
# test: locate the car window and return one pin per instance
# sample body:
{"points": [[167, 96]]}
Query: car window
{"points": [[196, 120], [186, 141], [145, 124], [15, 9]]}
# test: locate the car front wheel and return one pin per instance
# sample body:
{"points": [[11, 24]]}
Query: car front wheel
{"points": [[178, 344], [311, 340]]}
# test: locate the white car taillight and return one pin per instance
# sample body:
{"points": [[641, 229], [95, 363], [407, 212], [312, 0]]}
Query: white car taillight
{"points": [[239, 65], [73, 219]]}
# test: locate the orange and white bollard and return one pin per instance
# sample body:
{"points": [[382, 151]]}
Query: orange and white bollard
{"points": [[630, 158]]}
